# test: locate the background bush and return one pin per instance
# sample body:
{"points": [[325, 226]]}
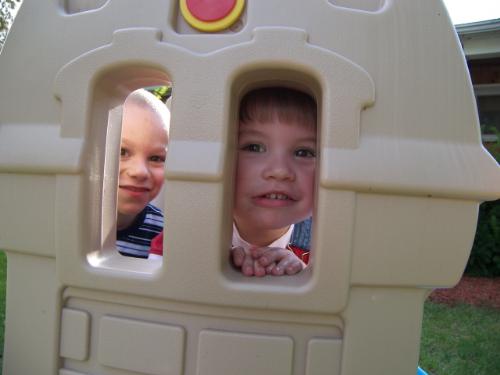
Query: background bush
{"points": [[485, 255]]}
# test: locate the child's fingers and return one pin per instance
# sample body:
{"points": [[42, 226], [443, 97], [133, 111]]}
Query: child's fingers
{"points": [[242, 260], [294, 267], [289, 265], [247, 267], [257, 252], [269, 255], [258, 269], [269, 269], [275, 261], [237, 255]]}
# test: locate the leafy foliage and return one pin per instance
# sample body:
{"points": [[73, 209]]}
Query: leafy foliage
{"points": [[161, 92], [485, 256], [7, 8]]}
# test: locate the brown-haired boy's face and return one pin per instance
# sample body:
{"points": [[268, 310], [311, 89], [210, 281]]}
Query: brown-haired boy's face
{"points": [[275, 174]]}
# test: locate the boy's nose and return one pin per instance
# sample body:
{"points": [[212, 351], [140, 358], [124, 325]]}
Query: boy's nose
{"points": [[279, 168], [138, 169]]}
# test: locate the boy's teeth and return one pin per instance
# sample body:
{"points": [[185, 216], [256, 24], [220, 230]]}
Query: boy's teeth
{"points": [[277, 196]]}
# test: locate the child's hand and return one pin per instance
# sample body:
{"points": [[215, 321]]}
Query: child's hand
{"points": [[261, 261], [243, 260], [277, 261]]}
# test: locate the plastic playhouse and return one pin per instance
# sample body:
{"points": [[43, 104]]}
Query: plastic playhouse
{"points": [[402, 173]]}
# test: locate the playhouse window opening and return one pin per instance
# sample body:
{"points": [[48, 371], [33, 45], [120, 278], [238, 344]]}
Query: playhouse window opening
{"points": [[275, 181], [145, 124]]}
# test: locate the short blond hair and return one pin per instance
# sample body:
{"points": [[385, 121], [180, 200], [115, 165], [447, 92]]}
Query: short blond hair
{"points": [[144, 99]]}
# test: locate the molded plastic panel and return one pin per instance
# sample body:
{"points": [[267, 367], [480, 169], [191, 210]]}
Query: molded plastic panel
{"points": [[75, 334], [239, 353], [401, 174], [143, 347], [323, 357]]}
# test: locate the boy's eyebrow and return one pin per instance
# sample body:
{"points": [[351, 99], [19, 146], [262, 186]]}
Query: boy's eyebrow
{"points": [[242, 130], [253, 132], [125, 142], [309, 139]]}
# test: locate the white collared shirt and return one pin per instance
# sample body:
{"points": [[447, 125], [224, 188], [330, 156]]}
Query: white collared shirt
{"points": [[281, 242]]}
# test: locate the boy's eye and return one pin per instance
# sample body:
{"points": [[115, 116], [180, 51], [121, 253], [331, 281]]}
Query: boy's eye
{"points": [[305, 153], [253, 147], [157, 159], [124, 152]]}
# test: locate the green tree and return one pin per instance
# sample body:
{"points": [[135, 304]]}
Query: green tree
{"points": [[485, 255], [161, 92], [7, 8]]}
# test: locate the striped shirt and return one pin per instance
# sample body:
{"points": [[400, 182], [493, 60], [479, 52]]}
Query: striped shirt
{"points": [[135, 241]]}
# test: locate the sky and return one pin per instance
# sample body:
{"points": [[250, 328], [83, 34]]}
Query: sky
{"points": [[466, 11]]}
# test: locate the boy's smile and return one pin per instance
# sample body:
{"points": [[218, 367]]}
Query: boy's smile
{"points": [[274, 199], [275, 177], [134, 191]]}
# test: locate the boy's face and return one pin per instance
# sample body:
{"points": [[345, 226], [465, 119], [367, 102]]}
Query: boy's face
{"points": [[143, 151], [275, 175]]}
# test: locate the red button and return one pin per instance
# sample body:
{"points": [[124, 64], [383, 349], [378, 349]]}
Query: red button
{"points": [[210, 10]]}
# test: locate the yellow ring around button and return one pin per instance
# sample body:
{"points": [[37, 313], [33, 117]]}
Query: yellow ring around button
{"points": [[218, 25]]}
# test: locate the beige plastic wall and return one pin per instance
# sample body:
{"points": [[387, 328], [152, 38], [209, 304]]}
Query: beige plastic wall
{"points": [[402, 173]]}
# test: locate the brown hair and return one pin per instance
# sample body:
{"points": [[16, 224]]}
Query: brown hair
{"points": [[278, 103]]}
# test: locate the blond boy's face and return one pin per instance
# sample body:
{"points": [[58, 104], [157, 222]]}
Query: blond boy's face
{"points": [[143, 152], [275, 175]]}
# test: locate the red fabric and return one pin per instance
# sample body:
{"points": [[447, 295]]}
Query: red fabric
{"points": [[157, 244], [302, 254]]}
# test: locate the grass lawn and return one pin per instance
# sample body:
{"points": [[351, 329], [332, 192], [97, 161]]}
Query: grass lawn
{"points": [[460, 340]]}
